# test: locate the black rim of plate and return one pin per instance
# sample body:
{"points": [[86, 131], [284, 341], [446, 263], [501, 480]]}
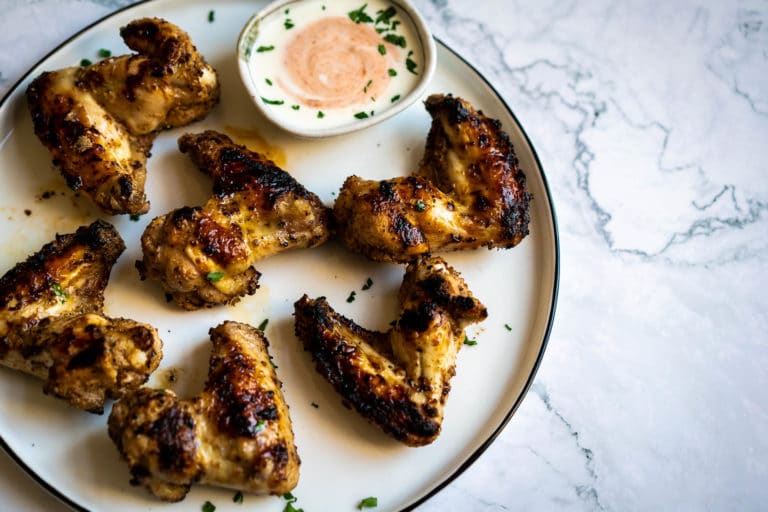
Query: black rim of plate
{"points": [[550, 321]]}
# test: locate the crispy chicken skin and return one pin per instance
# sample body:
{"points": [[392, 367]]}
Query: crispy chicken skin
{"points": [[203, 255], [237, 433], [399, 379], [468, 192], [99, 121], [52, 327]]}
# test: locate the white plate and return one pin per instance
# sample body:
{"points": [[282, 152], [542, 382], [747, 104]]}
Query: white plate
{"points": [[344, 459]]}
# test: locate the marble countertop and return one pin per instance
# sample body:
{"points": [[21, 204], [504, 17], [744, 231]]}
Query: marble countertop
{"points": [[651, 122]]}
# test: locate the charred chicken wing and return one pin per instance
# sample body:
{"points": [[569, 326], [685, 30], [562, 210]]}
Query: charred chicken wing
{"points": [[52, 326], [236, 433], [99, 121], [468, 192], [203, 255], [400, 379]]}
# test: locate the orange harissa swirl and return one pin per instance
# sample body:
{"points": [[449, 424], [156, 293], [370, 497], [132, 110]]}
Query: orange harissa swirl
{"points": [[336, 63]]}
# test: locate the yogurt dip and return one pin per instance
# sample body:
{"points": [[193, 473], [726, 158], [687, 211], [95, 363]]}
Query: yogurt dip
{"points": [[323, 67]]}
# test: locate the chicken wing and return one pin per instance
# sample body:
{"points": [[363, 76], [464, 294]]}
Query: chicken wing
{"points": [[468, 192], [99, 121], [237, 433], [203, 255], [399, 379], [51, 325]]}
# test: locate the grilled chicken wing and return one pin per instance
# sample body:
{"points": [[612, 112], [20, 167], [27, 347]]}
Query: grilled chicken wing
{"points": [[51, 325], [203, 255], [237, 433], [99, 121], [400, 379], [468, 192]]}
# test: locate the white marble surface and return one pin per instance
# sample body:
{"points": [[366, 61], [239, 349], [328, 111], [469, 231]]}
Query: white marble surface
{"points": [[651, 121]]}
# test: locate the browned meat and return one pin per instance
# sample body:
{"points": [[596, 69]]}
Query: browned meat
{"points": [[99, 121], [51, 322], [399, 379], [236, 433], [203, 255], [469, 192]]}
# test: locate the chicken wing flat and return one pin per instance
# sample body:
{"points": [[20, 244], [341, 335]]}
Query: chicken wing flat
{"points": [[400, 379], [99, 121], [237, 433], [468, 192], [204, 255], [51, 324]]}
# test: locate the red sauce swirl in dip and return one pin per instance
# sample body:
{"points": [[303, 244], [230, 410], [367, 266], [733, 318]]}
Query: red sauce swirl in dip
{"points": [[335, 62]]}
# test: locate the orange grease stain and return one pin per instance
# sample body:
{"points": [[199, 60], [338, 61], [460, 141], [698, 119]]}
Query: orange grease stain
{"points": [[255, 141]]}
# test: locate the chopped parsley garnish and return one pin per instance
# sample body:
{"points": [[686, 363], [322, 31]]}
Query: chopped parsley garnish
{"points": [[351, 297], [85, 63], [238, 498], [359, 15], [361, 115], [385, 16], [382, 49], [263, 324], [365, 89], [368, 284], [272, 362], [290, 508], [269, 82], [395, 98], [392, 72], [420, 206], [272, 102], [320, 114], [468, 341], [287, 11], [134, 217], [208, 507], [295, 107], [370, 502], [507, 327], [411, 65], [57, 291], [211, 16], [214, 276], [260, 426], [288, 24], [323, 7], [262, 49], [290, 500], [104, 53], [395, 40]]}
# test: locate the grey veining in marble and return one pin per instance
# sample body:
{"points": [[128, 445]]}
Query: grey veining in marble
{"points": [[651, 122]]}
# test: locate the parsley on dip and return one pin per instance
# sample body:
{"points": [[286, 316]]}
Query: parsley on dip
{"points": [[324, 67]]}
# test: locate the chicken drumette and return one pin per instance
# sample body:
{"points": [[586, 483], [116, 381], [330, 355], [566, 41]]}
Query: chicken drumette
{"points": [[52, 326], [99, 121], [203, 255], [237, 433], [468, 192], [399, 379]]}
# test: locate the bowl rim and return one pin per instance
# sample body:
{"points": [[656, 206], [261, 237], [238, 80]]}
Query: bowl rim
{"points": [[426, 42]]}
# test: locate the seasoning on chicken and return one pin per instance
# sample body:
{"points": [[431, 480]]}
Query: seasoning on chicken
{"points": [[399, 379], [237, 433], [52, 326], [468, 192], [204, 255], [99, 121]]}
